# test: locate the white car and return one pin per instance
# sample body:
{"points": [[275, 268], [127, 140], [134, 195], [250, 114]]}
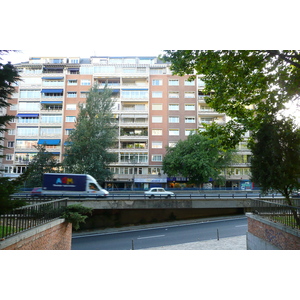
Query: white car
{"points": [[159, 192]]}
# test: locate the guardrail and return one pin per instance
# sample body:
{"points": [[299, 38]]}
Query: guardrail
{"points": [[140, 195], [29, 216], [277, 210]]}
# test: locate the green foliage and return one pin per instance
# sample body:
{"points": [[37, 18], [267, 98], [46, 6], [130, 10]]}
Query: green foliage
{"points": [[246, 84], [8, 187], [76, 214], [8, 76], [43, 162], [198, 157], [95, 132], [275, 162]]}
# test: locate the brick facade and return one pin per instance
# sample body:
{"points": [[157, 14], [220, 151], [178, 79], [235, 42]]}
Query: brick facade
{"points": [[55, 236]]}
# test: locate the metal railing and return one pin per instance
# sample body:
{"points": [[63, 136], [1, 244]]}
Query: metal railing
{"points": [[276, 210], [29, 216]]}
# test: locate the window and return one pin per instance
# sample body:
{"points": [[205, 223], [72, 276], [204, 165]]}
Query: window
{"points": [[72, 94], [189, 132], [83, 94], [156, 106], [70, 119], [156, 94], [190, 120], [29, 106], [50, 131], [68, 131], [172, 144], [189, 94], [156, 119], [71, 107], [189, 107], [173, 94], [156, 157], [156, 81], [85, 82], [173, 82], [173, 119], [157, 145], [51, 119], [53, 83], [10, 144], [173, 131], [156, 131], [173, 106], [11, 132], [154, 171], [26, 144], [72, 82], [30, 94], [134, 94], [188, 82], [9, 157], [28, 131]]}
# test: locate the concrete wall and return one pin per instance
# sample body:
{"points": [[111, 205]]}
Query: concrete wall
{"points": [[55, 235], [266, 235]]}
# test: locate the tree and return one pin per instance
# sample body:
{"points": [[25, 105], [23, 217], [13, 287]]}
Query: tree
{"points": [[43, 162], [275, 162], [95, 132], [8, 76], [199, 158], [246, 84]]}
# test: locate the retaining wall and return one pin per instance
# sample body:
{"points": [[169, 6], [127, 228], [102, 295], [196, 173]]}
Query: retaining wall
{"points": [[55, 235], [267, 235]]}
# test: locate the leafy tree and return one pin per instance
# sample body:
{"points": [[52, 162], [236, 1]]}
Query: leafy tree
{"points": [[95, 132], [275, 162], [244, 84], [8, 187], [198, 158], [8, 76], [43, 162], [76, 214]]}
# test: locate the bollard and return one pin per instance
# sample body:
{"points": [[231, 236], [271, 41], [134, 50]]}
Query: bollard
{"points": [[132, 245], [217, 234]]}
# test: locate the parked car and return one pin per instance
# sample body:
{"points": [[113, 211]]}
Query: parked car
{"points": [[36, 192], [158, 192], [296, 194]]}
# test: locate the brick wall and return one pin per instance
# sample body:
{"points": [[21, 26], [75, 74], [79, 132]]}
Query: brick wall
{"points": [[55, 235], [266, 235]]}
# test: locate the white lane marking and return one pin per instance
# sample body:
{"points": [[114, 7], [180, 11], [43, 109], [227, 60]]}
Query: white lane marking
{"points": [[241, 225], [150, 237]]}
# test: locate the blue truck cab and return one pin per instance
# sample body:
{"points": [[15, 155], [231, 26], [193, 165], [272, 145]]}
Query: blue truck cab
{"points": [[62, 184]]}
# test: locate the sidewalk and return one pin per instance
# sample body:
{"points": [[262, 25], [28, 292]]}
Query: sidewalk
{"points": [[232, 243]]}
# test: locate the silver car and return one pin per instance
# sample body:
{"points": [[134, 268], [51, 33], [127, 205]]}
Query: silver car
{"points": [[159, 192]]}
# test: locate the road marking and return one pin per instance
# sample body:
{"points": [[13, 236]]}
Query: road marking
{"points": [[150, 237], [241, 225]]}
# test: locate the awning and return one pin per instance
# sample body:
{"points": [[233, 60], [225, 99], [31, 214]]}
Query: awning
{"points": [[51, 102], [134, 89], [28, 115], [113, 91], [49, 142], [59, 91], [53, 78]]}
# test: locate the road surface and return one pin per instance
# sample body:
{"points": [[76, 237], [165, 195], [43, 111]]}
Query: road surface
{"points": [[161, 236]]}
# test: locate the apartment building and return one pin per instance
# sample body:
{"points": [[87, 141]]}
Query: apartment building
{"points": [[153, 109]]}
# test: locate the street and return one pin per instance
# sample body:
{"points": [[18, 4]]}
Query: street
{"points": [[161, 236]]}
